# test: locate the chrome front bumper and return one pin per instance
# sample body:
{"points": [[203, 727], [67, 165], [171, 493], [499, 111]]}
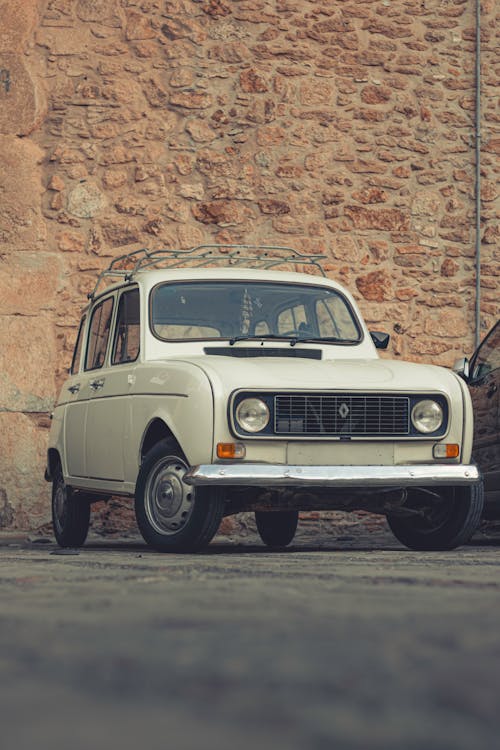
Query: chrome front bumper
{"points": [[277, 475]]}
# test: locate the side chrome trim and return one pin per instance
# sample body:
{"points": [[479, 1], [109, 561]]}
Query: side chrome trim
{"points": [[277, 475]]}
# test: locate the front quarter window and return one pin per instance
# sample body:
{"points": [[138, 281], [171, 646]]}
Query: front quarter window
{"points": [[77, 354]]}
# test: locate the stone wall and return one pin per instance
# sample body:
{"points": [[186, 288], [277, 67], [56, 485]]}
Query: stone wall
{"points": [[339, 126]]}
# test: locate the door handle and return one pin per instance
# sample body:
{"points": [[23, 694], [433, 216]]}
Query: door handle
{"points": [[491, 390], [74, 388], [96, 384]]}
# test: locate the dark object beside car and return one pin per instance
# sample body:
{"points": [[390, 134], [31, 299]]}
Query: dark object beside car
{"points": [[482, 374]]}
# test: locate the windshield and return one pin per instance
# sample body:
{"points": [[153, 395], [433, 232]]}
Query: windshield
{"points": [[233, 309]]}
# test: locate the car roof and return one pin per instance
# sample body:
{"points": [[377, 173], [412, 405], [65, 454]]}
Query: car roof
{"points": [[151, 277]]}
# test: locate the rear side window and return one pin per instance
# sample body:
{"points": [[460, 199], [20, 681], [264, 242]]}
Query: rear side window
{"points": [[75, 364], [334, 319], [100, 324], [127, 332], [292, 319]]}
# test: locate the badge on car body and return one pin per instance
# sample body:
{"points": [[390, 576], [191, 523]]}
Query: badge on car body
{"points": [[343, 411]]}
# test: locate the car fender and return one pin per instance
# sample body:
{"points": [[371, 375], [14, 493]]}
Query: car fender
{"points": [[55, 444], [179, 394], [467, 420]]}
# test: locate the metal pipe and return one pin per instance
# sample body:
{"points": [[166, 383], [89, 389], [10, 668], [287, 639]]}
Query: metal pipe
{"points": [[478, 173]]}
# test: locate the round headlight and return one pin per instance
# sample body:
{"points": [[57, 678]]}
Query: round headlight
{"points": [[427, 416], [252, 414]]}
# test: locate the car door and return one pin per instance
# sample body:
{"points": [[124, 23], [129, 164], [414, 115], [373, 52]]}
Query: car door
{"points": [[109, 410], [75, 395], [94, 358], [484, 385]]}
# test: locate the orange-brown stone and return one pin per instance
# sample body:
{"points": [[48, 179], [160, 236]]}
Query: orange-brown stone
{"points": [[386, 219], [375, 286], [22, 225], [21, 99], [252, 83], [220, 212]]}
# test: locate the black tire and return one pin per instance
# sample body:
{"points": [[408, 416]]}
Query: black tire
{"points": [[277, 528], [171, 515], [70, 514], [451, 523]]}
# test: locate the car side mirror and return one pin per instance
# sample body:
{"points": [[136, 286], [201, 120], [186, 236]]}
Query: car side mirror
{"points": [[381, 340], [462, 368]]}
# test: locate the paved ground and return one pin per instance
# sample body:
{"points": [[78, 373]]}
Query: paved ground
{"points": [[343, 641]]}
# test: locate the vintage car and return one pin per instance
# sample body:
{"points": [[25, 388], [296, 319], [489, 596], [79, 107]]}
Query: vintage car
{"points": [[206, 382], [482, 374]]}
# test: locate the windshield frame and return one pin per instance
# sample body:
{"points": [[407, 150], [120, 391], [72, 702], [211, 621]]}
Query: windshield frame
{"points": [[276, 338]]}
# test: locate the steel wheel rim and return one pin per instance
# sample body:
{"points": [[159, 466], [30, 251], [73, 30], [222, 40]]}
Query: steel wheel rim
{"points": [[168, 501], [60, 506]]}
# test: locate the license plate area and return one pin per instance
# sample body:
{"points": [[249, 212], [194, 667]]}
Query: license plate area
{"points": [[340, 454]]}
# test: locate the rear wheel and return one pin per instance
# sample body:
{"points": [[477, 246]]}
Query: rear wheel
{"points": [[70, 513], [277, 528], [171, 515], [443, 520]]}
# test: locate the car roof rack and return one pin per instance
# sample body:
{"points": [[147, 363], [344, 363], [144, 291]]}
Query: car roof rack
{"points": [[265, 256]]}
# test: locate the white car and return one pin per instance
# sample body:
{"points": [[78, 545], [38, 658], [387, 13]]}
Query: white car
{"points": [[206, 391]]}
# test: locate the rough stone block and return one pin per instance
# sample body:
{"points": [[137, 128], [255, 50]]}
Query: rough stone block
{"points": [[18, 21], [29, 283], [27, 359], [388, 219], [220, 212], [59, 42], [86, 200], [375, 286], [24, 495], [22, 103], [22, 226]]}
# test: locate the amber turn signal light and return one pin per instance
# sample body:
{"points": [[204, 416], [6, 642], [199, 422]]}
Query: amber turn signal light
{"points": [[446, 450], [230, 450]]}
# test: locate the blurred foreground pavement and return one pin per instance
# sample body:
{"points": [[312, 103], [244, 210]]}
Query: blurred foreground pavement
{"points": [[341, 641]]}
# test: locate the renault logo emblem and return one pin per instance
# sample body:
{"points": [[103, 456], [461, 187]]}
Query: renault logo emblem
{"points": [[343, 411]]}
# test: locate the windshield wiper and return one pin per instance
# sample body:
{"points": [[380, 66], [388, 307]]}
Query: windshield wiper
{"points": [[322, 339], [293, 339], [261, 337]]}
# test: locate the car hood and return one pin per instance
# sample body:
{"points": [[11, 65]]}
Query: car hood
{"points": [[228, 373]]}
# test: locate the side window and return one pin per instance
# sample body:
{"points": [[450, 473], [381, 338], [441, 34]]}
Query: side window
{"points": [[77, 354], [293, 319], [100, 324], [335, 320], [127, 332]]}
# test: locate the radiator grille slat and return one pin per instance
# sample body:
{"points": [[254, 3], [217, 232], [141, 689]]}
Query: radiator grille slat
{"points": [[341, 414]]}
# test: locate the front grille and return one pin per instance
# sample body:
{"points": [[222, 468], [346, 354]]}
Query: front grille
{"points": [[341, 414]]}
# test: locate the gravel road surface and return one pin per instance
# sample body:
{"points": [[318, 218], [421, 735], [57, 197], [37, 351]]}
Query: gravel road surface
{"points": [[346, 641]]}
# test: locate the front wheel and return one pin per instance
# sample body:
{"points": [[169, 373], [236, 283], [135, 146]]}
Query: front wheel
{"points": [[441, 520], [277, 527], [70, 514], [171, 515]]}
